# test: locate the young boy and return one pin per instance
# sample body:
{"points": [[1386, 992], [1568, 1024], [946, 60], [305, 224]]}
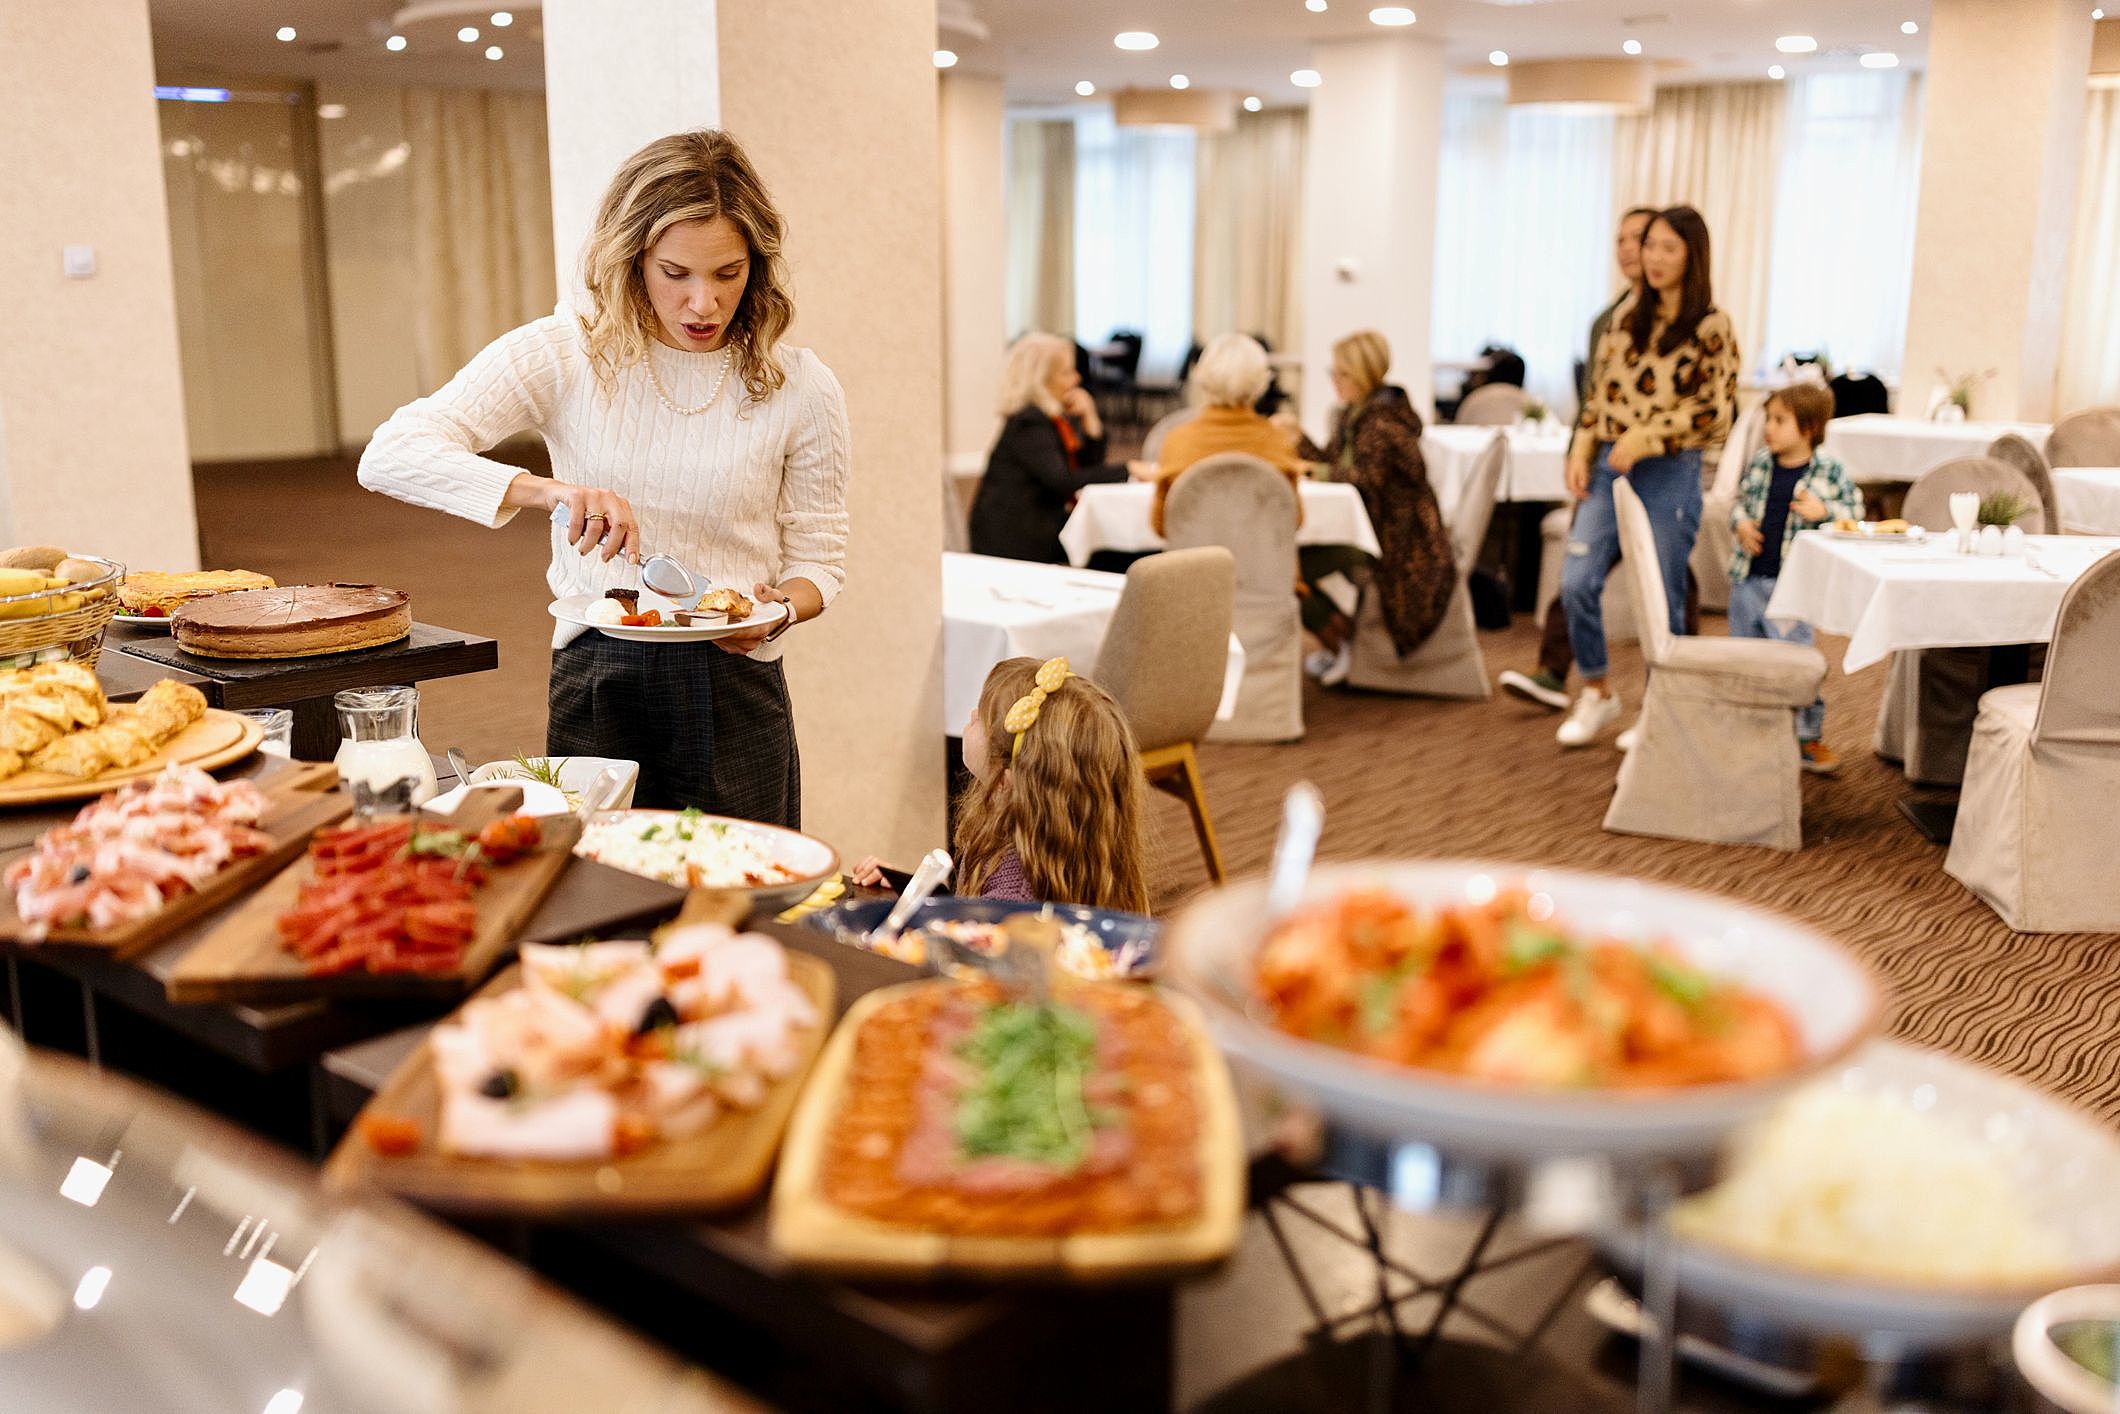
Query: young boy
{"points": [[1788, 487]]}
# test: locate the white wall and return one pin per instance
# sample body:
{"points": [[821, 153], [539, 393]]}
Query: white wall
{"points": [[92, 439], [974, 264]]}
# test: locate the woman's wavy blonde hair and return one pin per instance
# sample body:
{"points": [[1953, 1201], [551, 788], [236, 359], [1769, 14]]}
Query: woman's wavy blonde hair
{"points": [[1070, 802], [1033, 361], [691, 176]]}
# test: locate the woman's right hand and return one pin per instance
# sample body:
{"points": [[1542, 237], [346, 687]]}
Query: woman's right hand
{"points": [[597, 519], [869, 873], [1578, 477]]}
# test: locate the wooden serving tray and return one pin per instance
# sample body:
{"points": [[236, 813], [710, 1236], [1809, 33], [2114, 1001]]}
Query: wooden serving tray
{"points": [[214, 740], [298, 803], [813, 1232], [242, 960], [722, 1167]]}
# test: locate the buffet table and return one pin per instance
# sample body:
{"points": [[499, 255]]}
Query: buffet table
{"points": [[1115, 516]]}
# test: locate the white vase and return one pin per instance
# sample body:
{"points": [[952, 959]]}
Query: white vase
{"points": [[2013, 540], [1950, 412], [1990, 540]]}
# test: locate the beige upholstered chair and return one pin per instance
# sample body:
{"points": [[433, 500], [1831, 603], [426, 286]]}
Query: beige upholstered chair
{"points": [[1448, 662], [2035, 834], [1553, 556], [2015, 451], [1925, 719], [1714, 544], [1152, 445], [1247, 505], [1163, 661], [1716, 759], [956, 516], [2089, 438], [1492, 405]]}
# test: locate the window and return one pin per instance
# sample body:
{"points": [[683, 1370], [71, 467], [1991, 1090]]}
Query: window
{"points": [[1134, 191]]}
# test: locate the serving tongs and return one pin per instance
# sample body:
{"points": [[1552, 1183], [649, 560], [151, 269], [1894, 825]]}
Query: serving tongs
{"points": [[926, 879], [661, 574], [596, 799], [1295, 849]]}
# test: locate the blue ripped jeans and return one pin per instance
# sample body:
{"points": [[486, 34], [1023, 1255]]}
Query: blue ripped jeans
{"points": [[1669, 487]]}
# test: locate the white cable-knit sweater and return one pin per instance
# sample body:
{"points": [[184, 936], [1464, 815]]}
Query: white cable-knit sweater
{"points": [[740, 493]]}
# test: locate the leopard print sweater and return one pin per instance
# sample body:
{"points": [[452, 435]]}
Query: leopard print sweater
{"points": [[1660, 403]]}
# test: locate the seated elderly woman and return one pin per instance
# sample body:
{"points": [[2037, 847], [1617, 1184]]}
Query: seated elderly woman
{"points": [[1230, 376], [1050, 447]]}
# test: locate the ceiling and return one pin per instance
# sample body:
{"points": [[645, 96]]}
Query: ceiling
{"points": [[1043, 49]]}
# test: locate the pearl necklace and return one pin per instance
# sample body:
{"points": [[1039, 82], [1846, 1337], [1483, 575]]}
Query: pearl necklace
{"points": [[662, 394]]}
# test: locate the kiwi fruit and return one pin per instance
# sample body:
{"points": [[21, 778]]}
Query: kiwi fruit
{"points": [[33, 557], [79, 571]]}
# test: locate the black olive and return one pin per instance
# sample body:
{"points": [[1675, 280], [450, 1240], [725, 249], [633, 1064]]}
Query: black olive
{"points": [[659, 1013], [79, 876], [500, 1085]]}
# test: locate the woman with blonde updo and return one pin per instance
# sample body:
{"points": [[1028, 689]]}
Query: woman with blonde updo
{"points": [[678, 421], [1376, 446], [1050, 447], [1053, 812]]}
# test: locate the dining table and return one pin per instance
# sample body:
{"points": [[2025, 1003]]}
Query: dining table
{"points": [[1534, 466], [2090, 499], [1881, 448], [1115, 516], [994, 609]]}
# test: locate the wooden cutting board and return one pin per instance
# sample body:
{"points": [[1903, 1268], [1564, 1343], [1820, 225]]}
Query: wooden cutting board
{"points": [[298, 802], [214, 740], [813, 1232], [723, 1167], [242, 960]]}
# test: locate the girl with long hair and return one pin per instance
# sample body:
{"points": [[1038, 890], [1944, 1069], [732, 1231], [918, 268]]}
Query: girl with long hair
{"points": [[1663, 387], [1053, 813], [678, 421]]}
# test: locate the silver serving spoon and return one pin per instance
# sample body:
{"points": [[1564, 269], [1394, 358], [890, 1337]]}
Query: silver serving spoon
{"points": [[665, 575], [1302, 821], [601, 792], [926, 879], [458, 764]]}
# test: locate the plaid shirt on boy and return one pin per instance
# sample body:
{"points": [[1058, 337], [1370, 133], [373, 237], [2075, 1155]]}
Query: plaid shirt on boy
{"points": [[1829, 482]]}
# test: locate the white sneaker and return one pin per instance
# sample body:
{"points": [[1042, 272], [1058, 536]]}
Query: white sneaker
{"points": [[1537, 688], [1335, 672], [1316, 664], [1630, 736], [1592, 713]]}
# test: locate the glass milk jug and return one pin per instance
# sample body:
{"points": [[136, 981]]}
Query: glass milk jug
{"points": [[381, 746]]}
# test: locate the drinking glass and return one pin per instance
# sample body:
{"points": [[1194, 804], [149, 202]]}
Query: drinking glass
{"points": [[278, 723]]}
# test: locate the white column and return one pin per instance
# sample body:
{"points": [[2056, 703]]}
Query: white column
{"points": [[92, 446], [1369, 182], [2002, 134], [836, 104], [974, 265], [618, 75]]}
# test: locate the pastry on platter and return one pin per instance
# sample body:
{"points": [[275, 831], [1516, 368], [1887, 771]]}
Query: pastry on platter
{"points": [[293, 621], [153, 594], [729, 602], [130, 734]]}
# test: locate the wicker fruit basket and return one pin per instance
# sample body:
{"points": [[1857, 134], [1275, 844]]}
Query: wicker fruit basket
{"points": [[65, 622]]}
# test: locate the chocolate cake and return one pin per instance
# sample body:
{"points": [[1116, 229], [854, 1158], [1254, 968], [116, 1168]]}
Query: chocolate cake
{"points": [[294, 621]]}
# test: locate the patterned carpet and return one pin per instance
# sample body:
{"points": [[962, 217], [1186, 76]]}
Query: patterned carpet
{"points": [[1414, 778]]}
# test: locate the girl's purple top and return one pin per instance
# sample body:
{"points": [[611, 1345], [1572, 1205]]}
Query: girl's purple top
{"points": [[1007, 881]]}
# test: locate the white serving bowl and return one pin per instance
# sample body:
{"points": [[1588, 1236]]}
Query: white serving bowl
{"points": [[1829, 993], [809, 858], [576, 774], [538, 798], [2066, 1164]]}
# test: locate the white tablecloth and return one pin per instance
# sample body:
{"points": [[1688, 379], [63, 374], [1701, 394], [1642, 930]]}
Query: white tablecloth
{"points": [[2090, 499], [1114, 516], [1884, 598], [1535, 469], [1878, 447], [994, 609]]}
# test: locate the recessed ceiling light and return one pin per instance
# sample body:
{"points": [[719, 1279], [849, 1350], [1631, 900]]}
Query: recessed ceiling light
{"points": [[1776, 71], [1316, 7], [395, 44], [1253, 104], [494, 51], [1909, 27], [1180, 81], [1497, 58], [1632, 46], [1135, 39], [469, 34], [1306, 78], [2097, 14], [1796, 44], [284, 33], [502, 19], [1879, 59], [328, 111], [945, 58], [1085, 88], [1391, 15]]}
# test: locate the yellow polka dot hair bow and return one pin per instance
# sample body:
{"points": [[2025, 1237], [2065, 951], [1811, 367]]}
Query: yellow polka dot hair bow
{"points": [[1024, 714]]}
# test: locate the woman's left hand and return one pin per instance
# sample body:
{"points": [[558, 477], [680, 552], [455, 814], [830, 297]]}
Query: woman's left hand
{"points": [[1622, 457], [747, 640]]}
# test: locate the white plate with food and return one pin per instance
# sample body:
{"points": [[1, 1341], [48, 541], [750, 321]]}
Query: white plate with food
{"points": [[1887, 531], [694, 850], [721, 613], [1909, 1197], [1511, 1015]]}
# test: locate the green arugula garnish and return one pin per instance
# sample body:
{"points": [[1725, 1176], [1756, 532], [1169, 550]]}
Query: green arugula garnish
{"points": [[1377, 998], [1026, 1097], [1525, 945], [650, 833], [1682, 984]]}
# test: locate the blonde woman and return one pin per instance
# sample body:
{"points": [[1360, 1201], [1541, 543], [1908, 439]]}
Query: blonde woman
{"points": [[1230, 378], [1376, 445], [1050, 447], [678, 422]]}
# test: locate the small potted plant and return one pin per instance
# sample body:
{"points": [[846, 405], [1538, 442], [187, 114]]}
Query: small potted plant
{"points": [[1534, 412], [1997, 518], [1954, 400]]}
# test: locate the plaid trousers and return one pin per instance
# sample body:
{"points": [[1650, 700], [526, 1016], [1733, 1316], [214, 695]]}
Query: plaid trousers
{"points": [[709, 729]]}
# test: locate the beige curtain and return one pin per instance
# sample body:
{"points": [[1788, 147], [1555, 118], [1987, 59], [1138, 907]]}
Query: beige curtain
{"points": [[1041, 227], [481, 221], [2089, 374], [1716, 147], [1248, 229]]}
